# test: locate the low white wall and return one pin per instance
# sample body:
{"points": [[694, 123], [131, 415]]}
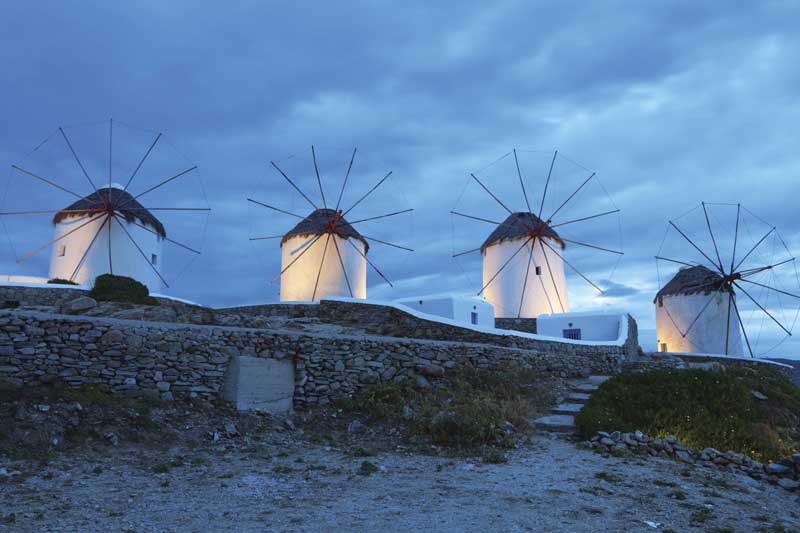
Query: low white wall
{"points": [[457, 308], [594, 327]]}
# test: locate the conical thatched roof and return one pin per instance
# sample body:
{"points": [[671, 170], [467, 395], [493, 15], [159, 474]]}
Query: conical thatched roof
{"points": [[692, 280], [520, 225], [114, 198], [318, 222]]}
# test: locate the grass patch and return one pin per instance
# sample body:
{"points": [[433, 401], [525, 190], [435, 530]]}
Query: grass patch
{"points": [[467, 409], [366, 469], [108, 288], [702, 409], [609, 477]]}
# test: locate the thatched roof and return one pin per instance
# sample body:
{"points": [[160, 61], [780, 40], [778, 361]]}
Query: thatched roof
{"points": [[318, 222], [115, 198], [520, 225], [692, 280]]}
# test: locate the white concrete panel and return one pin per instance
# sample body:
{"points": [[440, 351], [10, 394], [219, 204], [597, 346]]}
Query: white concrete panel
{"points": [[707, 335], [544, 293], [594, 327], [258, 384], [297, 283], [125, 258]]}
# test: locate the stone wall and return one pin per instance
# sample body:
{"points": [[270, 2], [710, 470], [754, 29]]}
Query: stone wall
{"points": [[190, 360], [528, 325], [667, 361]]}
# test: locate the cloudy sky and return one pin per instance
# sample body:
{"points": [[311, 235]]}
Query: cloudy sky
{"points": [[670, 103]]}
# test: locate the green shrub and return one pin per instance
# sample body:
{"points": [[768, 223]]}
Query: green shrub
{"points": [[108, 288], [60, 281], [702, 409]]}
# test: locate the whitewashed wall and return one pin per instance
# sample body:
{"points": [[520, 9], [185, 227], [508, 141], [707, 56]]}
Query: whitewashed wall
{"points": [[297, 283], [458, 308], [125, 258], [708, 333], [594, 327], [505, 291]]}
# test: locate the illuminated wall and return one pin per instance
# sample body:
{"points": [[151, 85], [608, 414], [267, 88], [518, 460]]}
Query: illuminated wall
{"points": [[505, 292], [297, 283], [674, 316]]}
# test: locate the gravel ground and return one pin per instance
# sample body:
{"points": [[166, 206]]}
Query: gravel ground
{"points": [[548, 485]]}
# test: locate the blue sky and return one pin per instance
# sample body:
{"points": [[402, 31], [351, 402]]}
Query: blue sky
{"points": [[670, 103]]}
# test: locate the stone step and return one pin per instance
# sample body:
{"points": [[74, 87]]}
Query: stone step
{"points": [[567, 409], [583, 387], [558, 423], [598, 380], [578, 397]]}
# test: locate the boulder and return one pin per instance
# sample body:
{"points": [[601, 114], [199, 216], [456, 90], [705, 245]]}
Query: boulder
{"points": [[778, 469], [79, 305]]}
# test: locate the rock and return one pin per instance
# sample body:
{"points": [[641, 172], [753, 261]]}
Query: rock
{"points": [[778, 469], [684, 456], [431, 370], [602, 434], [508, 427], [114, 336], [354, 426], [111, 437], [759, 396], [616, 435], [641, 437], [79, 305], [230, 429], [607, 441], [423, 383], [788, 484], [796, 458], [162, 386], [43, 408]]}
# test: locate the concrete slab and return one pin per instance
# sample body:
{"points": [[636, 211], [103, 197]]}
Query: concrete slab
{"points": [[255, 383]]}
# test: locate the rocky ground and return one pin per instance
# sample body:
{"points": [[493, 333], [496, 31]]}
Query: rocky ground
{"points": [[206, 468]]}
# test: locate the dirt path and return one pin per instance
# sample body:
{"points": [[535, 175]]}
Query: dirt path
{"points": [[547, 486]]}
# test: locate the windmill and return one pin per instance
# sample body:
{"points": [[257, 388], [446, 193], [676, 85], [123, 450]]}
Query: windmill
{"points": [[114, 228], [736, 279], [324, 254], [525, 256]]}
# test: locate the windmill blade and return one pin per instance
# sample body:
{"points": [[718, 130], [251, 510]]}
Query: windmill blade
{"points": [[741, 324], [753, 248], [110, 262], [728, 323], [266, 238], [570, 197], [713, 240], [467, 252], [346, 176], [496, 199], [690, 241], [139, 249], [590, 282], [155, 187], [47, 181], [675, 261], [302, 246], [736, 235], [166, 238], [585, 218], [344, 270], [293, 185], [70, 232], [110, 147], [547, 183], [75, 155], [521, 182], [262, 204], [381, 216], [144, 158], [164, 208], [703, 310], [476, 218], [368, 193], [86, 252], [552, 279], [593, 246], [370, 263], [753, 271], [762, 308], [770, 288], [287, 267], [51, 211], [388, 243], [505, 265], [322, 261], [319, 181]]}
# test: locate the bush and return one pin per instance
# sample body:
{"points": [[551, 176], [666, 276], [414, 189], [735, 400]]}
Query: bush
{"points": [[60, 281], [702, 409], [468, 409], [108, 288]]}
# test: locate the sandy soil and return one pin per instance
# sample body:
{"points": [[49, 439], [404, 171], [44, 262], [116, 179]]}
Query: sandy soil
{"points": [[548, 485]]}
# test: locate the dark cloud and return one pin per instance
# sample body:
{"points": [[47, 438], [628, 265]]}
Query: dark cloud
{"points": [[671, 103]]}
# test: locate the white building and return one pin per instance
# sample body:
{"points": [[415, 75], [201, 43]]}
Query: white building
{"points": [[692, 313], [102, 246], [529, 285], [589, 326], [466, 309], [301, 260]]}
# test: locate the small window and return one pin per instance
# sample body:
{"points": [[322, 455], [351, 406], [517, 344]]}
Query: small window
{"points": [[538, 271], [153, 259], [663, 346], [473, 317], [660, 302], [420, 302], [573, 333], [62, 250]]}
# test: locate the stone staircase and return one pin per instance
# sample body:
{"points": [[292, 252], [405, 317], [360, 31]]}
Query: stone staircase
{"points": [[562, 417]]}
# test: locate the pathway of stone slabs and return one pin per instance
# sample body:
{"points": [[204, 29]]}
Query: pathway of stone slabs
{"points": [[562, 417]]}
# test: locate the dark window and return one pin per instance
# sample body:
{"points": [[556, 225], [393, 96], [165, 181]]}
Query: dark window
{"points": [[573, 333], [62, 250], [153, 259], [474, 317], [538, 271], [663, 346]]}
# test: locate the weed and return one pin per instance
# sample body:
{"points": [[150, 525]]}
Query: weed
{"points": [[608, 477], [494, 457], [366, 469], [677, 495], [662, 483]]}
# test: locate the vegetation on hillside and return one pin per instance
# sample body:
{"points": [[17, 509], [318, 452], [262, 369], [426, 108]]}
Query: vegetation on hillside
{"points": [[109, 288], [467, 409], [61, 281], [702, 408]]}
